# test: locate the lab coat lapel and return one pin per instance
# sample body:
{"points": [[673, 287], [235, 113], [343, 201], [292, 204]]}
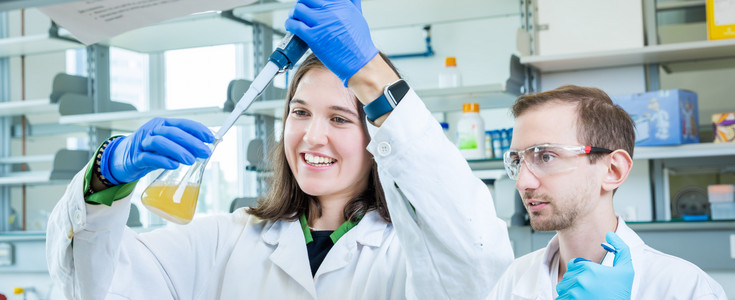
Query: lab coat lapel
{"points": [[369, 232], [534, 282], [290, 254]]}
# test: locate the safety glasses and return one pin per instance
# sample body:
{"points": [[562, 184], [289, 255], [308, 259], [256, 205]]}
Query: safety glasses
{"points": [[546, 159]]}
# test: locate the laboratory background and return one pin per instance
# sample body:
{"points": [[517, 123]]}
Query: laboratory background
{"points": [[669, 63]]}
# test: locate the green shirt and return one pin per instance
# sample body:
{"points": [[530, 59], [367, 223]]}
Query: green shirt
{"points": [[341, 230]]}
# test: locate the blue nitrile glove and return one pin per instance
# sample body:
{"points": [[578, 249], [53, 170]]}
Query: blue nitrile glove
{"points": [[588, 280], [160, 143], [336, 32]]}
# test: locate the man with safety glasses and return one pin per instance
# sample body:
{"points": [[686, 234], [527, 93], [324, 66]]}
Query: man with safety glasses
{"points": [[571, 149]]}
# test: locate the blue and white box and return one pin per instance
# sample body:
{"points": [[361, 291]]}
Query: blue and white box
{"points": [[667, 117]]}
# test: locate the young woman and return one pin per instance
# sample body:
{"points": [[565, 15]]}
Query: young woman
{"points": [[322, 232]]}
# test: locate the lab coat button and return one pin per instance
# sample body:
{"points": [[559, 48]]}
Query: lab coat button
{"points": [[78, 217], [384, 149]]}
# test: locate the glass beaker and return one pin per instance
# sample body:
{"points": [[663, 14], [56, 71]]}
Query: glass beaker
{"points": [[173, 195]]}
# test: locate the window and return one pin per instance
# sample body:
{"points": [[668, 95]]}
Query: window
{"points": [[199, 77]]}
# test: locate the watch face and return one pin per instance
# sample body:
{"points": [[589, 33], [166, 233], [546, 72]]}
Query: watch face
{"points": [[397, 90]]}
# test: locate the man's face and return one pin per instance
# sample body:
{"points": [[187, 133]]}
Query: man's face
{"points": [[566, 198]]}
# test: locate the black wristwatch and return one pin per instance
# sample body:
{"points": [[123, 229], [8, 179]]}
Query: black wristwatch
{"points": [[392, 95]]}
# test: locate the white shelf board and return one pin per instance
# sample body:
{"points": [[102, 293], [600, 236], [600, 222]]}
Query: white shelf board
{"points": [[31, 177], [212, 116], [34, 44], [17, 108], [689, 51], [437, 100], [131, 120], [26, 159], [18, 4], [683, 151], [199, 30], [451, 99]]}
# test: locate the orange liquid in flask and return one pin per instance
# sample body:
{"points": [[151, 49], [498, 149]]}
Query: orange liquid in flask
{"points": [[159, 199]]}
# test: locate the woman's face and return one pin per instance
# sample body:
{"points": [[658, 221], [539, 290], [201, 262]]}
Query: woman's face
{"points": [[324, 140]]}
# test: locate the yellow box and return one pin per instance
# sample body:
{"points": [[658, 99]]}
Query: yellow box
{"points": [[724, 127], [720, 19]]}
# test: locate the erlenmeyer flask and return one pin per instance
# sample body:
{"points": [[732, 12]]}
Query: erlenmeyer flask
{"points": [[173, 195]]}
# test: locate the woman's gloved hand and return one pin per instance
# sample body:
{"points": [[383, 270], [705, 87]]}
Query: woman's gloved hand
{"points": [[588, 280], [159, 143], [336, 32]]}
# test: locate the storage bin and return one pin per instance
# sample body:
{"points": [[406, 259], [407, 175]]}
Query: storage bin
{"points": [[723, 211], [667, 117], [721, 193]]}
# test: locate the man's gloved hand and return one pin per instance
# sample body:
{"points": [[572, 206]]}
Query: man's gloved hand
{"points": [[336, 32], [588, 280], [159, 143]]}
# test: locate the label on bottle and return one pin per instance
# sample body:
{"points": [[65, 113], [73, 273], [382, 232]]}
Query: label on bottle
{"points": [[467, 140]]}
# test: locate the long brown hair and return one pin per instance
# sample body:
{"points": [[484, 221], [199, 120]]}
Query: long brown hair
{"points": [[286, 201]]}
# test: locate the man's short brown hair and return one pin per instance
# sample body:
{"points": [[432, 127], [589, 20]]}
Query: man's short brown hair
{"points": [[600, 123]]}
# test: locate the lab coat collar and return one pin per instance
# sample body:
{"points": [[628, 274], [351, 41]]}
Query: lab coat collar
{"points": [[291, 255], [290, 252], [535, 283], [369, 231], [628, 236]]}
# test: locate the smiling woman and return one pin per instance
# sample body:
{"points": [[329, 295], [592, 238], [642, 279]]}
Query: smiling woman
{"points": [[323, 231], [322, 168]]}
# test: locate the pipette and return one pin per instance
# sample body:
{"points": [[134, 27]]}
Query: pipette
{"points": [[287, 53]]}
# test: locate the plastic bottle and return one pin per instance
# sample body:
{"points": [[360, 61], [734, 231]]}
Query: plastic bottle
{"points": [[497, 144], [471, 132], [488, 144], [505, 140], [450, 77]]}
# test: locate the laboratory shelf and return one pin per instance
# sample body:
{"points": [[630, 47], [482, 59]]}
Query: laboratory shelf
{"points": [[451, 99], [689, 51], [437, 100], [26, 159], [675, 5], [17, 108], [21, 236], [34, 44], [130, 120], [486, 164], [28, 178], [641, 153], [709, 225], [18, 4], [684, 151], [193, 31]]}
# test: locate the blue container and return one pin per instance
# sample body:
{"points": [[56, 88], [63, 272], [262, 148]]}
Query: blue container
{"points": [[497, 144]]}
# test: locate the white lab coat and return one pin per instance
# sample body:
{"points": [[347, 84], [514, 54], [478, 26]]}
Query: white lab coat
{"points": [[452, 246], [657, 275]]}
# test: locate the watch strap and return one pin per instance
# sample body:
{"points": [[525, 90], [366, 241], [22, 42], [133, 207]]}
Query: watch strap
{"points": [[377, 108], [392, 94]]}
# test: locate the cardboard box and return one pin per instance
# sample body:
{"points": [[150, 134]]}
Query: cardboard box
{"points": [[667, 117], [720, 19], [724, 127]]}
